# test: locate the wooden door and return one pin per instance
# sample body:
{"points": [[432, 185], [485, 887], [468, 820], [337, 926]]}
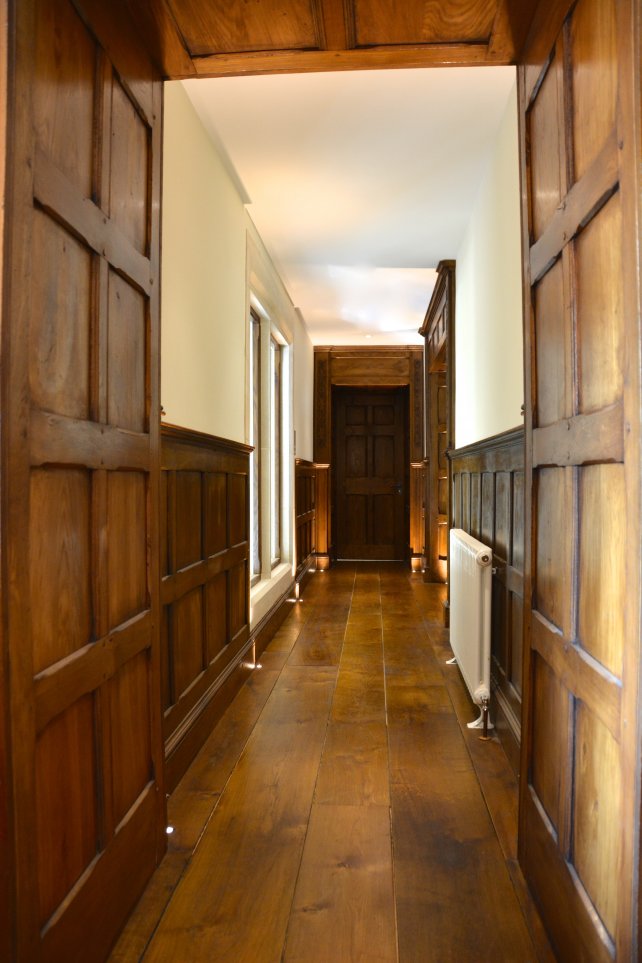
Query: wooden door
{"points": [[80, 476], [580, 801], [371, 516], [438, 329]]}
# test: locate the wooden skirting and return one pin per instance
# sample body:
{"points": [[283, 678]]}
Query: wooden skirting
{"points": [[488, 503]]}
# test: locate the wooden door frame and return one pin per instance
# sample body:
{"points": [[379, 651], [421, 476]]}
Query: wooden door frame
{"points": [[359, 367], [404, 393], [438, 330]]}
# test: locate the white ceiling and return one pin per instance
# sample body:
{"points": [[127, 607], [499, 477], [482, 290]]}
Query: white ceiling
{"points": [[358, 182]]}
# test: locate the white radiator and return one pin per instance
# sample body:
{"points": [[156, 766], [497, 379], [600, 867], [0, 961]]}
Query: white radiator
{"points": [[470, 599]]}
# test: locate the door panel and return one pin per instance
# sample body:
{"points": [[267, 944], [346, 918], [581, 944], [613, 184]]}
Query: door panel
{"points": [[370, 494], [579, 829], [80, 479]]}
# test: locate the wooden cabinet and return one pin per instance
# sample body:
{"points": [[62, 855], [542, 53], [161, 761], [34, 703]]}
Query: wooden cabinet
{"points": [[439, 390]]}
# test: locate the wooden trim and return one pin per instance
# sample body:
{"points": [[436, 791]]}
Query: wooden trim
{"points": [[85, 670], [189, 436], [64, 203], [580, 673], [582, 202], [363, 58], [582, 439], [485, 449], [57, 440]]}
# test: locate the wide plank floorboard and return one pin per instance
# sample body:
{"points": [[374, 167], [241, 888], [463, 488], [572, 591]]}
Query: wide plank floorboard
{"points": [[341, 811]]}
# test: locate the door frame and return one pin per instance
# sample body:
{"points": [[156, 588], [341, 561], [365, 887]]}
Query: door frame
{"points": [[403, 393]]}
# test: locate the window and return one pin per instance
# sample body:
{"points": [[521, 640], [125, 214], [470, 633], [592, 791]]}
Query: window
{"points": [[255, 440], [276, 466], [269, 429]]}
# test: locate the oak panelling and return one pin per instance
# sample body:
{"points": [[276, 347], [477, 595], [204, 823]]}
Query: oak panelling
{"points": [[80, 501], [60, 574], [60, 365], [67, 828], [64, 91], [184, 37], [601, 344], [554, 387], [547, 166], [488, 503], [127, 403], [205, 591], [602, 576], [305, 500], [592, 38], [130, 159], [598, 789], [378, 22], [218, 27], [582, 598]]}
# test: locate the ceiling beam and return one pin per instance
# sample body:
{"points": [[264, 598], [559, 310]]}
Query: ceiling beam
{"points": [[370, 58]]}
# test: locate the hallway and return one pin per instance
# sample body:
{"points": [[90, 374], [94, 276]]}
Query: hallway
{"points": [[339, 811]]}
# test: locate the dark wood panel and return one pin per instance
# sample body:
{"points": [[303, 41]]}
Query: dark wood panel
{"points": [[205, 592], [488, 503], [185, 37], [305, 500], [79, 478], [579, 104]]}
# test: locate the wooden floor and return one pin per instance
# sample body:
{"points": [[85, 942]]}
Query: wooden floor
{"points": [[341, 811]]}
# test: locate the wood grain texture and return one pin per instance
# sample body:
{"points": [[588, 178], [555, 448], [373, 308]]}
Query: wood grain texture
{"points": [[343, 906], [205, 591]]}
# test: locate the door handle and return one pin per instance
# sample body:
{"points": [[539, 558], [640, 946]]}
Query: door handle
{"points": [[396, 489]]}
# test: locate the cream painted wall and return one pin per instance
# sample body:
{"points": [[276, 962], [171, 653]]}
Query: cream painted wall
{"points": [[212, 258], [489, 344], [203, 280]]}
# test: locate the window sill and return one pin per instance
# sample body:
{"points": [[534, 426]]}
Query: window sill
{"points": [[267, 591]]}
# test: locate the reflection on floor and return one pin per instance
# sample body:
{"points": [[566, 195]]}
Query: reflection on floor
{"points": [[341, 811]]}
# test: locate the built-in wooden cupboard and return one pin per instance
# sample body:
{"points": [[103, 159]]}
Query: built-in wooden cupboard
{"points": [[438, 329]]}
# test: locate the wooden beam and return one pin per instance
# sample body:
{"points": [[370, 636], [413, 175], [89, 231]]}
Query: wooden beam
{"points": [[582, 202], [370, 58], [595, 437], [161, 37]]}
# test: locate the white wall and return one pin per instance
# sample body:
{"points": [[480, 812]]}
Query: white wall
{"points": [[211, 255], [488, 323]]}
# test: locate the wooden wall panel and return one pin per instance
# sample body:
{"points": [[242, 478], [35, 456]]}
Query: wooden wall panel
{"points": [[80, 473], [205, 590], [188, 38], [579, 93], [488, 503], [305, 500]]}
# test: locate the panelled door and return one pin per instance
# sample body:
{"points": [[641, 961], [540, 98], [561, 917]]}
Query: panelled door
{"points": [[371, 513], [80, 476], [580, 805]]}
